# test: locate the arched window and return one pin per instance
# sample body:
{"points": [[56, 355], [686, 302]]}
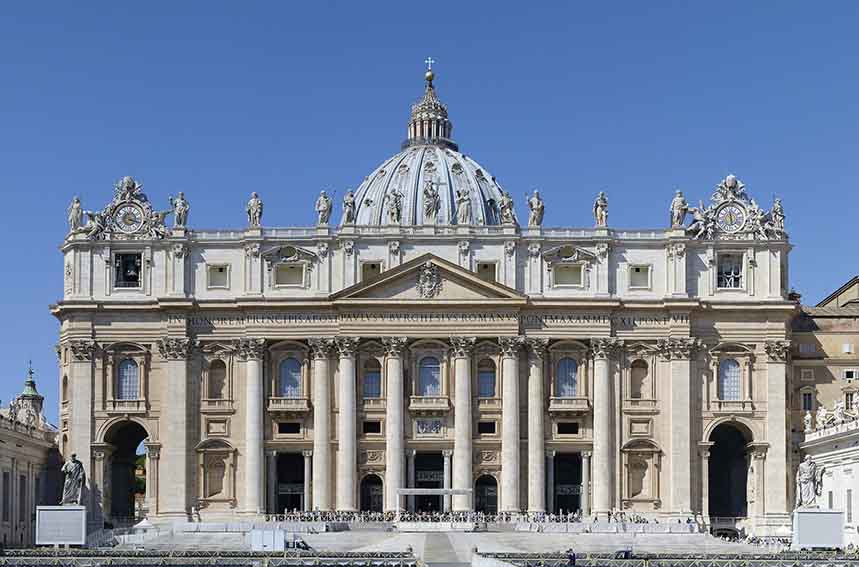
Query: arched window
{"points": [[486, 379], [289, 379], [639, 381], [729, 379], [566, 380], [429, 377], [217, 380], [128, 380], [372, 379]]}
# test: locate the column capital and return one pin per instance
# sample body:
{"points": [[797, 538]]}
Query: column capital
{"points": [[447, 453], [100, 451], [587, 454], [537, 346], [394, 346], [777, 351], [677, 348], [153, 450], [83, 350], [603, 347], [704, 448], [307, 453], [462, 346], [550, 453], [346, 346], [320, 347], [410, 453], [178, 348], [510, 346], [251, 349]]}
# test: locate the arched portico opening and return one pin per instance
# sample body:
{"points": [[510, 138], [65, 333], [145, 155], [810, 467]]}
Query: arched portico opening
{"points": [[486, 494], [124, 472], [728, 471], [372, 495]]}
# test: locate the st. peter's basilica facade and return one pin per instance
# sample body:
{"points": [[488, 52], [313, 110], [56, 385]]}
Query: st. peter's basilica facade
{"points": [[419, 334]]}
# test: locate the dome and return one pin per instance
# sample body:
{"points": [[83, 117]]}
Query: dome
{"points": [[429, 181]]}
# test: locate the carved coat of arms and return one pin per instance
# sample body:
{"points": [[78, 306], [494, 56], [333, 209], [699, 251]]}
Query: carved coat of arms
{"points": [[429, 280]]}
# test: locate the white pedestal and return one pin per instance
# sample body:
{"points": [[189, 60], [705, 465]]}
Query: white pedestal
{"points": [[817, 528], [60, 525]]}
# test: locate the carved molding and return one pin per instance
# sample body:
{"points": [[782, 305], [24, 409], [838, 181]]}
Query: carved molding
{"points": [[320, 347], [777, 351], [394, 346], [253, 249], [677, 348], [510, 346], [603, 347], [347, 346], [537, 346], [83, 350], [429, 281], [176, 348], [462, 346], [251, 349]]}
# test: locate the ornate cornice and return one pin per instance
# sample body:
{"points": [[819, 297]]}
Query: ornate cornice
{"points": [[83, 350], [320, 347], [462, 346], [510, 346], [677, 348], [777, 351], [394, 345], [251, 349], [603, 347], [176, 348], [346, 346]]}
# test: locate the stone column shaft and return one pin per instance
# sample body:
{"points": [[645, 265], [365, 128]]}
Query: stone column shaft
{"points": [[462, 444], [410, 457], [321, 424], [510, 425], [778, 432], [347, 456], [271, 483], [550, 481], [253, 351], [175, 452], [680, 461], [447, 454], [80, 413], [603, 468], [394, 444], [308, 475], [586, 482], [536, 431]]}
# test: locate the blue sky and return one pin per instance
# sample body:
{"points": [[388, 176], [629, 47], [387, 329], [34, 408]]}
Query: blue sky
{"points": [[220, 99]]}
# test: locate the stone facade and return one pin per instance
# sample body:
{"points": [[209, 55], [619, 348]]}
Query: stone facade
{"points": [[432, 342]]}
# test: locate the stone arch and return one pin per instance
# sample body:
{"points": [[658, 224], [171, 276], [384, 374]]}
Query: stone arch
{"points": [[102, 433], [486, 494], [372, 492], [744, 424], [728, 469], [121, 487]]}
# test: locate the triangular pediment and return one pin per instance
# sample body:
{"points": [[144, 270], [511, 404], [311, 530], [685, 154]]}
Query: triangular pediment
{"points": [[425, 279]]}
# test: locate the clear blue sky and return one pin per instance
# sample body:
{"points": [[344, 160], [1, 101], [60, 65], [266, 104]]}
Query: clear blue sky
{"points": [[220, 99]]}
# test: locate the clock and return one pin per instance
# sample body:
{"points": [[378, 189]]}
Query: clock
{"points": [[731, 218], [128, 219]]}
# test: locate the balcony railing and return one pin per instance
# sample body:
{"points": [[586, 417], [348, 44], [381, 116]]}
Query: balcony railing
{"points": [[489, 404], [289, 405], [732, 406], [216, 405], [639, 404], [569, 405], [126, 406], [429, 404], [374, 403]]}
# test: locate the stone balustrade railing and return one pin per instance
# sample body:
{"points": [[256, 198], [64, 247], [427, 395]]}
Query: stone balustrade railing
{"points": [[826, 422]]}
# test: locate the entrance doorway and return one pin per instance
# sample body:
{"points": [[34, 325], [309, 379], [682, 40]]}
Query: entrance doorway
{"points": [[122, 485], [486, 494], [429, 473], [568, 483], [372, 495], [728, 470], [290, 482]]}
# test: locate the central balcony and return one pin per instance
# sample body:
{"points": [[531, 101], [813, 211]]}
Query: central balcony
{"points": [[429, 405], [569, 406], [293, 406], [126, 407]]}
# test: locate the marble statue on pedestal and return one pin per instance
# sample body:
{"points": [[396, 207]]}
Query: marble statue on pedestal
{"points": [[395, 206], [348, 208], [807, 422], [536, 206], [820, 421], [181, 208], [74, 482], [254, 210], [508, 215], [463, 207], [601, 209], [76, 215], [809, 480], [323, 208], [679, 208], [432, 202]]}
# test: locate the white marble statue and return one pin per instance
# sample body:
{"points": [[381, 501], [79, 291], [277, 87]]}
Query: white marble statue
{"points": [[95, 225], [395, 206], [808, 422], [855, 406], [508, 215], [820, 418], [73, 469], [75, 215], [601, 209], [777, 215], [348, 208], [809, 480], [838, 413], [181, 208], [254, 210], [536, 208], [463, 207], [432, 202], [679, 208], [323, 208]]}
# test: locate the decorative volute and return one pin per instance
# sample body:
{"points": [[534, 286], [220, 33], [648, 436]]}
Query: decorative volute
{"points": [[429, 123]]}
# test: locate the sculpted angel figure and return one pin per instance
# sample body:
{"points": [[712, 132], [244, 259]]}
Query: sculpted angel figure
{"points": [[181, 208], [254, 210], [601, 209], [96, 224], [463, 207], [508, 215], [809, 481], [807, 422], [73, 469], [348, 208], [678, 209], [699, 221], [323, 208], [395, 206], [432, 202], [75, 215], [536, 207]]}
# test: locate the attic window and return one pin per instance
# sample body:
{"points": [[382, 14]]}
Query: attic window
{"points": [[568, 275], [127, 269], [370, 270], [639, 277], [289, 275], [219, 276], [486, 271]]}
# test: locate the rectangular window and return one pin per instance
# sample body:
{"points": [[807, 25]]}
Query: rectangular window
{"points": [[219, 277], [372, 384], [289, 275], [807, 401], [288, 428], [730, 271], [849, 374], [568, 275], [486, 427], [7, 496], [807, 348], [486, 271], [849, 498], [127, 268], [370, 270], [639, 277], [22, 498], [372, 428], [568, 428], [486, 384]]}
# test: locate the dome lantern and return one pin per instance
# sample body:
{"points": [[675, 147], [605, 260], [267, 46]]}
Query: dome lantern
{"points": [[429, 124]]}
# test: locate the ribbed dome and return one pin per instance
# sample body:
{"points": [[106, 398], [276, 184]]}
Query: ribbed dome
{"points": [[429, 163]]}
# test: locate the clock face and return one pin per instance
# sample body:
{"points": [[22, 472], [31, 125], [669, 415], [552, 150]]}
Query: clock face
{"points": [[731, 218], [128, 219]]}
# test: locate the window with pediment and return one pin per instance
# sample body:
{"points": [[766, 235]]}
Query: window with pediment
{"points": [[128, 380], [730, 380], [289, 378], [486, 379], [566, 378], [429, 377]]}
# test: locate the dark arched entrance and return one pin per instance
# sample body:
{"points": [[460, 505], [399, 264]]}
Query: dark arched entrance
{"points": [[121, 483], [371, 494], [486, 495], [728, 472]]}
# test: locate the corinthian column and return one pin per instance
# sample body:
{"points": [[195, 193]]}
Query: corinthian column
{"points": [[510, 423], [602, 453], [536, 431], [321, 349], [778, 432], [394, 450], [347, 453], [253, 350], [462, 453], [175, 415]]}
